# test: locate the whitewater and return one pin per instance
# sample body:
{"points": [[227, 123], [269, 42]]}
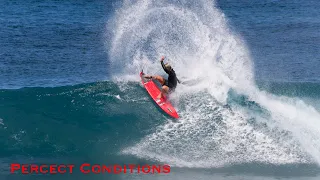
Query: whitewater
{"points": [[225, 118]]}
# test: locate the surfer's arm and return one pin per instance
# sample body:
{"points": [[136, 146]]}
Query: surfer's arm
{"points": [[164, 67]]}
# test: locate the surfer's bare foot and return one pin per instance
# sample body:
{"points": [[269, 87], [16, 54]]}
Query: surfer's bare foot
{"points": [[159, 96], [147, 77]]}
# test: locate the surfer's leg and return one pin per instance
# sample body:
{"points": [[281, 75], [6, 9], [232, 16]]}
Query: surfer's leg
{"points": [[160, 79], [164, 91]]}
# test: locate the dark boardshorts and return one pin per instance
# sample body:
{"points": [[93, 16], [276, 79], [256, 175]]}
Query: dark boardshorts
{"points": [[170, 85]]}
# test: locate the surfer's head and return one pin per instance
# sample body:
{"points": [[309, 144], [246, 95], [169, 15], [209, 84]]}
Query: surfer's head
{"points": [[168, 66]]}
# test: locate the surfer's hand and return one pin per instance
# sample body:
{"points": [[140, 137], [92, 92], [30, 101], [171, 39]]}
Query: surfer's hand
{"points": [[162, 58]]}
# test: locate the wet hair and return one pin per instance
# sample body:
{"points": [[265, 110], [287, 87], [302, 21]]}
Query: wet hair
{"points": [[168, 66]]}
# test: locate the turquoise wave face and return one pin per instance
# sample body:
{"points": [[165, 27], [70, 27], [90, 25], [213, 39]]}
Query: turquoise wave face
{"points": [[70, 120], [118, 123], [73, 121]]}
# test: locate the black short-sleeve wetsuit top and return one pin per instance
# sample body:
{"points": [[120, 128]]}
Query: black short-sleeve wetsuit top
{"points": [[172, 79]]}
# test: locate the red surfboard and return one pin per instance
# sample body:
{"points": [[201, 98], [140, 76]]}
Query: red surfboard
{"points": [[154, 91]]}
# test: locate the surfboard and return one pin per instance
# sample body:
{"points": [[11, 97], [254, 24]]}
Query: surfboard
{"points": [[154, 91]]}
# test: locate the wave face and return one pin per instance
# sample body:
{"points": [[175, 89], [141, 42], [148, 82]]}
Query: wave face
{"points": [[225, 118], [87, 122], [101, 122]]}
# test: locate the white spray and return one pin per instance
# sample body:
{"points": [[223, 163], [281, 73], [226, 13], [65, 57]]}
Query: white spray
{"points": [[195, 37]]}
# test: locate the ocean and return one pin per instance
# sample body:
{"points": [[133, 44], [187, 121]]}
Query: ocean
{"points": [[249, 107]]}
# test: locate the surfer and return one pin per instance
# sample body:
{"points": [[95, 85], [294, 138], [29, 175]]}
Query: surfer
{"points": [[168, 85]]}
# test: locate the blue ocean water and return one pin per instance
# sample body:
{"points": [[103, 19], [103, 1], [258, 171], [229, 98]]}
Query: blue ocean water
{"points": [[70, 91], [282, 36], [52, 43]]}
